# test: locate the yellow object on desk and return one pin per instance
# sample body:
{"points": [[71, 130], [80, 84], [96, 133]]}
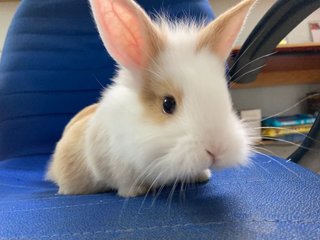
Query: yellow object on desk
{"points": [[281, 131]]}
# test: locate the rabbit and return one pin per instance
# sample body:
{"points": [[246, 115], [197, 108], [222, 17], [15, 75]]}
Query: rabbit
{"points": [[168, 114]]}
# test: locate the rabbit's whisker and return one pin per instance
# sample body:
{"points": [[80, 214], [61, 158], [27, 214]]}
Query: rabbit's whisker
{"points": [[257, 59], [292, 106], [278, 162], [250, 71]]}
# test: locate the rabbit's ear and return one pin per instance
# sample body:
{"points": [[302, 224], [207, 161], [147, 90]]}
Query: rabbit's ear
{"points": [[220, 35], [127, 32]]}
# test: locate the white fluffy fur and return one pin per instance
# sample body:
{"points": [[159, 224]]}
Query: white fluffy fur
{"points": [[115, 145], [125, 151]]}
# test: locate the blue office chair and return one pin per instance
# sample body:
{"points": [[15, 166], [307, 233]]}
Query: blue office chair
{"points": [[53, 65]]}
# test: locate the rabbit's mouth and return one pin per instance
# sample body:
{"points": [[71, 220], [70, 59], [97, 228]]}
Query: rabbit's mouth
{"points": [[212, 157]]}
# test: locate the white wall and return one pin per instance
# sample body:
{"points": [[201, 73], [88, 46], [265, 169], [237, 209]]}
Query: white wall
{"points": [[283, 96], [272, 100], [7, 10], [300, 34]]}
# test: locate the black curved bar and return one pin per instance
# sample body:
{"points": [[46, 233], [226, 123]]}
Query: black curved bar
{"points": [[308, 143], [283, 17]]}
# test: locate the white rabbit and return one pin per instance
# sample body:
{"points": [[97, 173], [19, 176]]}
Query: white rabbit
{"points": [[168, 115]]}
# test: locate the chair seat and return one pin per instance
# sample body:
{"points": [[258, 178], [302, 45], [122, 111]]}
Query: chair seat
{"points": [[271, 199]]}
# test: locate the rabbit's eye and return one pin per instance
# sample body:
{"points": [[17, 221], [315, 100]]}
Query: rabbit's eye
{"points": [[169, 104]]}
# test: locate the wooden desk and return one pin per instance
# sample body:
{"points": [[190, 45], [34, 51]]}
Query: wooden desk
{"points": [[291, 64]]}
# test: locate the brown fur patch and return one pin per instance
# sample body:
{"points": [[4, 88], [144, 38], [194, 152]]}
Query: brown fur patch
{"points": [[82, 114], [154, 90], [155, 40], [152, 95], [68, 167]]}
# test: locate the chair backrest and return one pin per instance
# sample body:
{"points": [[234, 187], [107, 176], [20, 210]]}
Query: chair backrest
{"points": [[54, 64], [283, 17]]}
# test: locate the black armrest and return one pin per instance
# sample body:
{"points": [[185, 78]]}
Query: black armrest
{"points": [[283, 17]]}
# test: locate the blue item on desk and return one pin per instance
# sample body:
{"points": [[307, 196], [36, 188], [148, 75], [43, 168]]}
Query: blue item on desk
{"points": [[283, 121]]}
